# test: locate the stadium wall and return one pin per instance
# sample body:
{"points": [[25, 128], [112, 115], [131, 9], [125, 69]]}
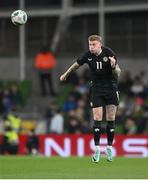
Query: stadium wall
{"points": [[9, 68]]}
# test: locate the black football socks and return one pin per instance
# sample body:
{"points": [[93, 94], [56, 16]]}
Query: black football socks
{"points": [[97, 132], [110, 132]]}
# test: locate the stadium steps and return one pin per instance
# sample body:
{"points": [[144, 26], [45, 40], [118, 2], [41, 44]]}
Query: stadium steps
{"points": [[37, 104]]}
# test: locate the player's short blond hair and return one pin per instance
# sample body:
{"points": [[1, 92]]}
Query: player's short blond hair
{"points": [[95, 38]]}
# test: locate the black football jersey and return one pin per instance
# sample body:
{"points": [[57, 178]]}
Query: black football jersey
{"points": [[100, 67]]}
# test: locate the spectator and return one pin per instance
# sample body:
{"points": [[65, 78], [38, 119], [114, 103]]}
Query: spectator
{"points": [[57, 122], [10, 141], [49, 114], [7, 102], [125, 83], [14, 121], [82, 87], [32, 143], [85, 127], [70, 104], [137, 89], [130, 126], [120, 117], [79, 113], [143, 76], [45, 61], [74, 125], [16, 95]]}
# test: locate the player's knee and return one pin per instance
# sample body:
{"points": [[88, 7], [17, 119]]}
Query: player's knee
{"points": [[110, 117], [98, 113], [97, 116]]}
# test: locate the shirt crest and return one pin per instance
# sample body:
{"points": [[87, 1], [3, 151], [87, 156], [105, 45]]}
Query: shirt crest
{"points": [[105, 59]]}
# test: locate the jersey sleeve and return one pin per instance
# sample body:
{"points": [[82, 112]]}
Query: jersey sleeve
{"points": [[111, 53], [82, 59]]}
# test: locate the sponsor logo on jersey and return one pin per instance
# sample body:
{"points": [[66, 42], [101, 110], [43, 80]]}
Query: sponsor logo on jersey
{"points": [[105, 59], [89, 59]]}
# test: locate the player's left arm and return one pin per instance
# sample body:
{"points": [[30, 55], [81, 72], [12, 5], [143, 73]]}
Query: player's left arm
{"points": [[115, 66], [117, 70]]}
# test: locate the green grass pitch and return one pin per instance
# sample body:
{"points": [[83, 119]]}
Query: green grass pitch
{"points": [[18, 167]]}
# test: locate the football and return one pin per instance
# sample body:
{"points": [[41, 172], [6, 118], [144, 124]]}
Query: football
{"points": [[19, 17]]}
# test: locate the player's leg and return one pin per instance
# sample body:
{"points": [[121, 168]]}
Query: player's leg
{"points": [[110, 129], [97, 103], [97, 116], [111, 101]]}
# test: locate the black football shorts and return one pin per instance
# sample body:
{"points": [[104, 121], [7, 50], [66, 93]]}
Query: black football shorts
{"points": [[103, 96]]}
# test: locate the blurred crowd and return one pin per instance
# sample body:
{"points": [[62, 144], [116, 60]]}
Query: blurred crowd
{"points": [[10, 98], [132, 115], [10, 140], [11, 102], [75, 116]]}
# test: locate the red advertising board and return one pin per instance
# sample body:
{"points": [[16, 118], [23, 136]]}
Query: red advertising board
{"points": [[82, 145]]}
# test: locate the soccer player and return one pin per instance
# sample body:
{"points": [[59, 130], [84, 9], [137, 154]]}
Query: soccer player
{"points": [[105, 71]]}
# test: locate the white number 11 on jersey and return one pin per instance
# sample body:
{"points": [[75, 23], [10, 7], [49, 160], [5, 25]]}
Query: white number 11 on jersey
{"points": [[99, 65]]}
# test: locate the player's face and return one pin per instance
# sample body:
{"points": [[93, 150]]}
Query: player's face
{"points": [[95, 46]]}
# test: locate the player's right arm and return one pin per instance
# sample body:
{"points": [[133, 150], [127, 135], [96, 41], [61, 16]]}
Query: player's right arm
{"points": [[73, 67], [80, 61]]}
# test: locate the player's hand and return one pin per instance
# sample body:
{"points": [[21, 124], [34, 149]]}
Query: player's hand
{"points": [[63, 77], [112, 61]]}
